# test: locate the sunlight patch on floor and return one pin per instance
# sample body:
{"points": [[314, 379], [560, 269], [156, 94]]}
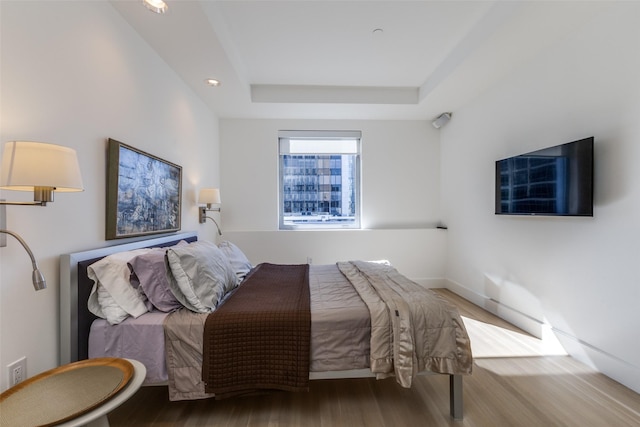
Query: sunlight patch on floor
{"points": [[488, 341]]}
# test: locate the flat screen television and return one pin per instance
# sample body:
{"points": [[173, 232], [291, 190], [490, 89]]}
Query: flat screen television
{"points": [[555, 181]]}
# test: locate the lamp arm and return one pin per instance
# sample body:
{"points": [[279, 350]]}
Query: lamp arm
{"points": [[42, 203], [214, 221], [202, 216], [24, 244], [38, 279]]}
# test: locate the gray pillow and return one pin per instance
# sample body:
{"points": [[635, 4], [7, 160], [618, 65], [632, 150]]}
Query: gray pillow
{"points": [[201, 275], [238, 260]]}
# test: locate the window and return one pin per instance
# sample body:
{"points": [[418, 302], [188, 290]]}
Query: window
{"points": [[319, 179]]}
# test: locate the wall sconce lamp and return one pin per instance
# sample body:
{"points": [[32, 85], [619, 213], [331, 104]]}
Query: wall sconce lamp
{"points": [[209, 196], [43, 169]]}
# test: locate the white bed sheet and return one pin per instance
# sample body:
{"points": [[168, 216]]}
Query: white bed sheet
{"points": [[134, 338]]}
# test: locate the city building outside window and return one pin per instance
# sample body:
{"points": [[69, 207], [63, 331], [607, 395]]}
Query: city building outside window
{"points": [[319, 179]]}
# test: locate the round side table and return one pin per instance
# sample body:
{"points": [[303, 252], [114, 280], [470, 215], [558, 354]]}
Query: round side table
{"points": [[80, 393]]}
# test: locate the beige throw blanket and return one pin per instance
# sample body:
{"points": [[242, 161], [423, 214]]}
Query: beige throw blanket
{"points": [[412, 328]]}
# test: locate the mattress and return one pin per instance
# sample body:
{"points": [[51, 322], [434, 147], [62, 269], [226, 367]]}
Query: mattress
{"points": [[340, 330]]}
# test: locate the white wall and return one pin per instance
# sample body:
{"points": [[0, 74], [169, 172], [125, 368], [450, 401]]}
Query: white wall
{"points": [[75, 74], [400, 193], [581, 275], [417, 253], [400, 171]]}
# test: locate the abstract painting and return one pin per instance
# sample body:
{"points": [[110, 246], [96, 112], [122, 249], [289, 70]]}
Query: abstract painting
{"points": [[144, 193]]}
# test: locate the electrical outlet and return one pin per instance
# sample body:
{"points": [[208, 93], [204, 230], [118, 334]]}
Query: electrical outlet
{"points": [[17, 371], [309, 260]]}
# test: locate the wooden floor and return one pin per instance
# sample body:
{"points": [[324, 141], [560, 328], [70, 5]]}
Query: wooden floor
{"points": [[517, 381]]}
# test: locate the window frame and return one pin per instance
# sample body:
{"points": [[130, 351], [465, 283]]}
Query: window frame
{"points": [[284, 148]]}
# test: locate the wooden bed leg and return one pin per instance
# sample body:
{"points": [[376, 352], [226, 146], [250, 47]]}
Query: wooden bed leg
{"points": [[455, 396]]}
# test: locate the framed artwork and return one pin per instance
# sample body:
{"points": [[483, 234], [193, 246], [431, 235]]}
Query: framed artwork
{"points": [[144, 193]]}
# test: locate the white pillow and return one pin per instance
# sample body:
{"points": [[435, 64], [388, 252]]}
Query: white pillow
{"points": [[112, 296], [200, 275], [238, 260]]}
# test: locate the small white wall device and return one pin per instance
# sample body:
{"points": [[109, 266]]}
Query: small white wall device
{"points": [[441, 120]]}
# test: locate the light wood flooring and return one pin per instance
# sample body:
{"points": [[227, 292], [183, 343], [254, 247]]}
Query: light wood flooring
{"points": [[517, 381]]}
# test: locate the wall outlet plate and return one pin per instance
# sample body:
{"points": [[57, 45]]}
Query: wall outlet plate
{"points": [[17, 371]]}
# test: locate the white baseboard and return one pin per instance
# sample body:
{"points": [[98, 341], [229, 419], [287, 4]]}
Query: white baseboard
{"points": [[535, 327], [608, 364], [431, 283]]}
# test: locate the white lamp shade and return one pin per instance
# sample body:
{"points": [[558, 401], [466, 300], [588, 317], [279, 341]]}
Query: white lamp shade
{"points": [[26, 165], [209, 196], [157, 6]]}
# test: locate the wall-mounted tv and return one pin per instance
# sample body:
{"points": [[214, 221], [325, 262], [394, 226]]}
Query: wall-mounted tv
{"points": [[555, 181]]}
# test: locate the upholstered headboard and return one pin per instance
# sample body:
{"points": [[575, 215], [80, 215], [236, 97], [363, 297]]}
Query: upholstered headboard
{"points": [[75, 287]]}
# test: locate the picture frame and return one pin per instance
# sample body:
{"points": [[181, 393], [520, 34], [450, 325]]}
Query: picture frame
{"points": [[144, 193]]}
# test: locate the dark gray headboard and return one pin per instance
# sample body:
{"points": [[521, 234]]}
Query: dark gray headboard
{"points": [[75, 287]]}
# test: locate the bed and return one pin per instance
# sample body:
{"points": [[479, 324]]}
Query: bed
{"points": [[338, 312]]}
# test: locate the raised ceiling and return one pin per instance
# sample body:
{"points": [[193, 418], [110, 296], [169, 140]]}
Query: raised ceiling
{"points": [[353, 59]]}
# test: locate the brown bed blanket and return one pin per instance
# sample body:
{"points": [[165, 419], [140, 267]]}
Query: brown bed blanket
{"points": [[259, 338]]}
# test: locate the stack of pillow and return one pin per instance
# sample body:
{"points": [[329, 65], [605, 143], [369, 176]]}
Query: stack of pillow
{"points": [[194, 275]]}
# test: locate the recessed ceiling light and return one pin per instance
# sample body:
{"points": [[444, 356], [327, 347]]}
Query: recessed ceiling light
{"points": [[212, 82], [378, 31], [157, 6]]}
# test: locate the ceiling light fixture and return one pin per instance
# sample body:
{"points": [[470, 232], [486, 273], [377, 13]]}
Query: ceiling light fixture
{"points": [[378, 31], [157, 6], [212, 82]]}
